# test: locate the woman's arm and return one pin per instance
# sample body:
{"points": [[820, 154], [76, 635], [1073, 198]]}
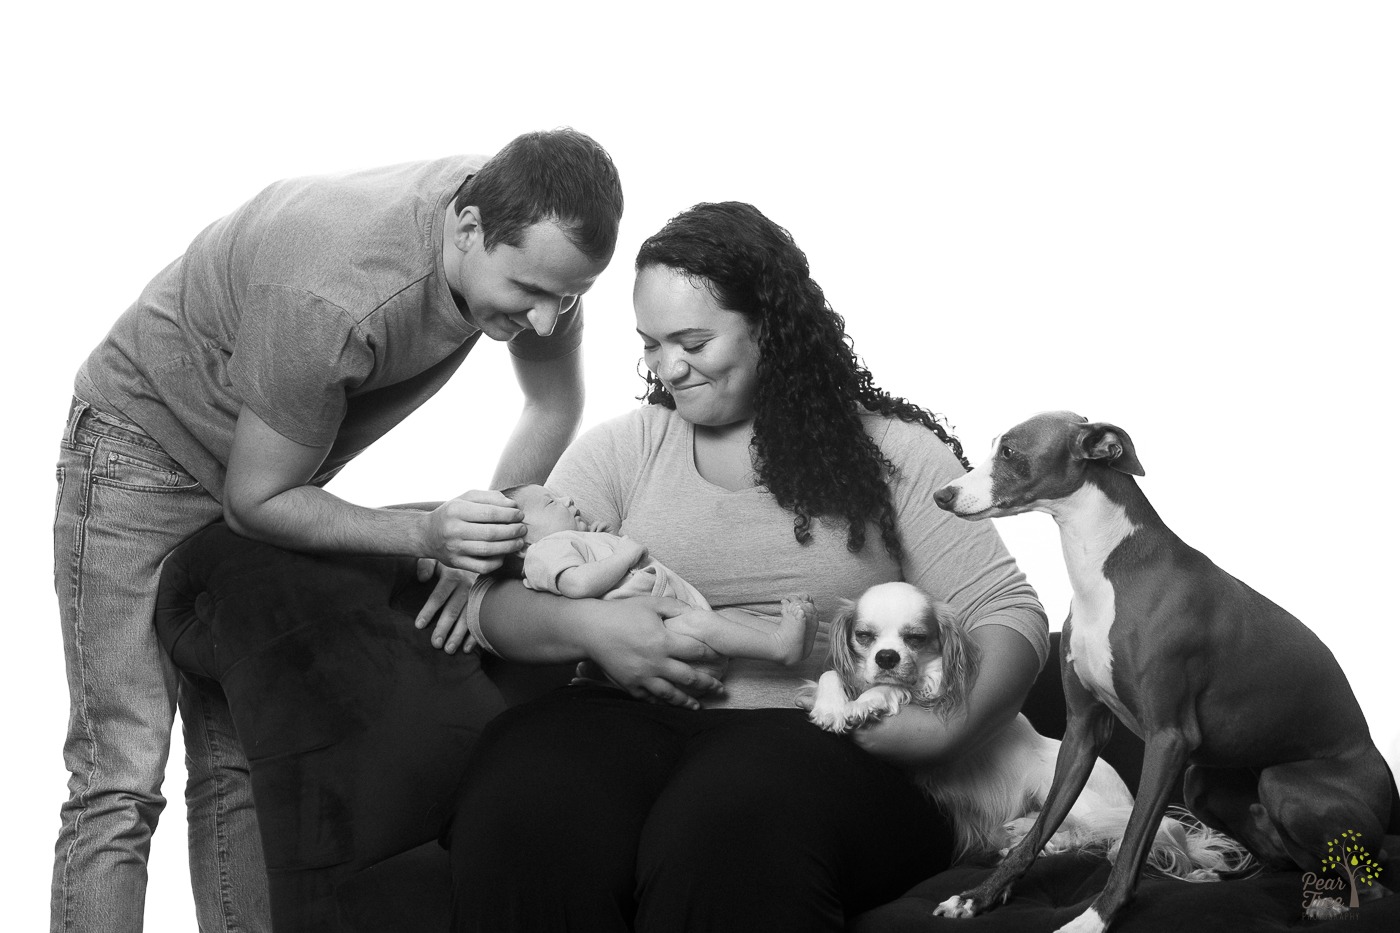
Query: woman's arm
{"points": [[918, 736], [626, 637]]}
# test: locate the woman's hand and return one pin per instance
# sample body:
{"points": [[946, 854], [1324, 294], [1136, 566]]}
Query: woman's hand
{"points": [[448, 602], [630, 641]]}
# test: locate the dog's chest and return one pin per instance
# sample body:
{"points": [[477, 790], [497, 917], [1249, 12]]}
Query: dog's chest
{"points": [[1092, 611]]}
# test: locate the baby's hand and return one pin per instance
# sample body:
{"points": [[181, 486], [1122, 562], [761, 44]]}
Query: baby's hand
{"points": [[598, 526], [634, 550]]}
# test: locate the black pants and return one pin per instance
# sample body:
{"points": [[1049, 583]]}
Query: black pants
{"points": [[588, 810]]}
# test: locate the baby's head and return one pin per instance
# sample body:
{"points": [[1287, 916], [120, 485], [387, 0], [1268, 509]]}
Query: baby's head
{"points": [[545, 513]]}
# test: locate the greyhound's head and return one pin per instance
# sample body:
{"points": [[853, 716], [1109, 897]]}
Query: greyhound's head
{"points": [[1039, 461]]}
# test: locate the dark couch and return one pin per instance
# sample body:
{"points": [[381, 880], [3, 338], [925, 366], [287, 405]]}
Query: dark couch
{"points": [[342, 706]]}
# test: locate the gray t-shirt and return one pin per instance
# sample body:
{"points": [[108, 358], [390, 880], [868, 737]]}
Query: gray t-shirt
{"points": [[322, 304], [637, 474]]}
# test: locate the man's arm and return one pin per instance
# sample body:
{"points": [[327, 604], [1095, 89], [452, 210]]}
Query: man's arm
{"points": [[550, 418], [266, 497]]}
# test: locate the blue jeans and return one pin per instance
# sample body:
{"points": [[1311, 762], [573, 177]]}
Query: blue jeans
{"points": [[123, 504]]}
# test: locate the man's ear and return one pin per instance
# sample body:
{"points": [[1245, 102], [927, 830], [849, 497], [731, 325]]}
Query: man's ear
{"points": [[466, 228], [1104, 441]]}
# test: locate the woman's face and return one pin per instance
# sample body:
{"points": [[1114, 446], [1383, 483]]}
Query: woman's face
{"points": [[706, 356]]}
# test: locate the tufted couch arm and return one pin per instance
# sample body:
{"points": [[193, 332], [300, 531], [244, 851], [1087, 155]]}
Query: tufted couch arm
{"points": [[356, 730]]}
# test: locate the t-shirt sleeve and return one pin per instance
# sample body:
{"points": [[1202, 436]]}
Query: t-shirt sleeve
{"points": [[295, 359], [599, 469], [962, 563], [566, 337], [547, 558]]}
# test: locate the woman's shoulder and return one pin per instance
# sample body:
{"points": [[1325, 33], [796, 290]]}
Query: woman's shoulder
{"points": [[641, 429], [913, 447]]}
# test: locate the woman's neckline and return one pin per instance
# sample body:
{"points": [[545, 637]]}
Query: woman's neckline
{"points": [[730, 479]]}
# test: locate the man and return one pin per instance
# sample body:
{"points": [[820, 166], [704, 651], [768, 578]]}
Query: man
{"points": [[291, 335]]}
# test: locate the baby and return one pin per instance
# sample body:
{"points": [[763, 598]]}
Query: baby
{"points": [[581, 560]]}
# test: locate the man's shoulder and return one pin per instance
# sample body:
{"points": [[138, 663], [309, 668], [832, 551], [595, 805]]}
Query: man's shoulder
{"points": [[354, 238], [431, 176]]}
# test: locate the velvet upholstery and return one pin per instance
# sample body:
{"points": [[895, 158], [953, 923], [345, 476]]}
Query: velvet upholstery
{"points": [[344, 708]]}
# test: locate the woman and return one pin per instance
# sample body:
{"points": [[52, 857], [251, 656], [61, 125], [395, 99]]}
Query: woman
{"points": [[766, 462]]}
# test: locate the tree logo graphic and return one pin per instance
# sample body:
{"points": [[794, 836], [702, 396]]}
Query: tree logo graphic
{"points": [[1346, 856]]}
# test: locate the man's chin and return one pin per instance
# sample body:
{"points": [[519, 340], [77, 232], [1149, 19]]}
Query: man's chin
{"points": [[500, 329]]}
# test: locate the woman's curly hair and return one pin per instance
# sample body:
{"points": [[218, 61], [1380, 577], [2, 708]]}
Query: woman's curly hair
{"points": [[809, 449]]}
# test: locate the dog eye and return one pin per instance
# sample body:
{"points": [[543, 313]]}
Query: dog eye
{"points": [[916, 641], [864, 638], [1006, 452]]}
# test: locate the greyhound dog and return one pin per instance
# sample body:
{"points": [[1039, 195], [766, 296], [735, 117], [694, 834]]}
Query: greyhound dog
{"points": [[1217, 680]]}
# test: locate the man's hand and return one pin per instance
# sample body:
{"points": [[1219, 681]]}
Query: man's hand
{"points": [[475, 531], [448, 602], [631, 643]]}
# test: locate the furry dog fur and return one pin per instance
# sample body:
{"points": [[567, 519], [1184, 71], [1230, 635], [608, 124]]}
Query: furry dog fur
{"points": [[896, 646]]}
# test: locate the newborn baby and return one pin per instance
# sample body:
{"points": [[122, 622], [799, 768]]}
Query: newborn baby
{"points": [[571, 557]]}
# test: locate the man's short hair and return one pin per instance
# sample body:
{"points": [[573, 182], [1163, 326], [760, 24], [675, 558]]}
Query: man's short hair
{"points": [[559, 175]]}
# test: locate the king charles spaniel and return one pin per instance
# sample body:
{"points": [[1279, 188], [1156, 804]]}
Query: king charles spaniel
{"points": [[895, 646]]}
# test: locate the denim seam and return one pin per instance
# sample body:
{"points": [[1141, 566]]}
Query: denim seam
{"points": [[220, 829], [79, 550]]}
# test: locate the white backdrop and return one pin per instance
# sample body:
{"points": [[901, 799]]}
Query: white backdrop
{"points": [[1179, 217]]}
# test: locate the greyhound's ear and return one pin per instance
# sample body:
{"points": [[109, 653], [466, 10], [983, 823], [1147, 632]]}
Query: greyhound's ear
{"points": [[1104, 441]]}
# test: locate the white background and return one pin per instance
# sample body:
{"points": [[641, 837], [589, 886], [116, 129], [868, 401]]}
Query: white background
{"points": [[1184, 218]]}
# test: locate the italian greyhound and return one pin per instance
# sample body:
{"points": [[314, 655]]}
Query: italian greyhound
{"points": [[1218, 681]]}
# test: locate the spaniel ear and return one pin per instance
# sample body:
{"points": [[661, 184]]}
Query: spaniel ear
{"points": [[960, 659], [1107, 442], [843, 658]]}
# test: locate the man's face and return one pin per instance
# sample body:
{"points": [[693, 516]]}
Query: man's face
{"points": [[508, 289]]}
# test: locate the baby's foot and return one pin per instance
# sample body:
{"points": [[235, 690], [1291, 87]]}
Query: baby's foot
{"points": [[797, 627]]}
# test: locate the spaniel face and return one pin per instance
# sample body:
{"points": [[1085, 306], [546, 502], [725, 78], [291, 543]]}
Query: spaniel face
{"points": [[896, 635]]}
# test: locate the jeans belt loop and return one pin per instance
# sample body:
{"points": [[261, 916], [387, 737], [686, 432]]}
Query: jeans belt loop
{"points": [[75, 417]]}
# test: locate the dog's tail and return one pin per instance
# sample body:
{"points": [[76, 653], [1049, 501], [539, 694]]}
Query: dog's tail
{"points": [[1184, 847]]}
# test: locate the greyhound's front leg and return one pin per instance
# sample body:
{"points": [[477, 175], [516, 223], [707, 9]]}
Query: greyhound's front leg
{"points": [[1089, 728], [1162, 765]]}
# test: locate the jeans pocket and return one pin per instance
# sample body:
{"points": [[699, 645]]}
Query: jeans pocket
{"points": [[132, 467]]}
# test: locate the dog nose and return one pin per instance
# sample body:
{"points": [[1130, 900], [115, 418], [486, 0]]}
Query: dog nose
{"points": [[886, 659], [946, 496]]}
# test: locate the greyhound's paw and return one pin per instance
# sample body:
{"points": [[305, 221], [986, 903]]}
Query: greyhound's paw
{"points": [[1087, 922], [958, 907]]}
